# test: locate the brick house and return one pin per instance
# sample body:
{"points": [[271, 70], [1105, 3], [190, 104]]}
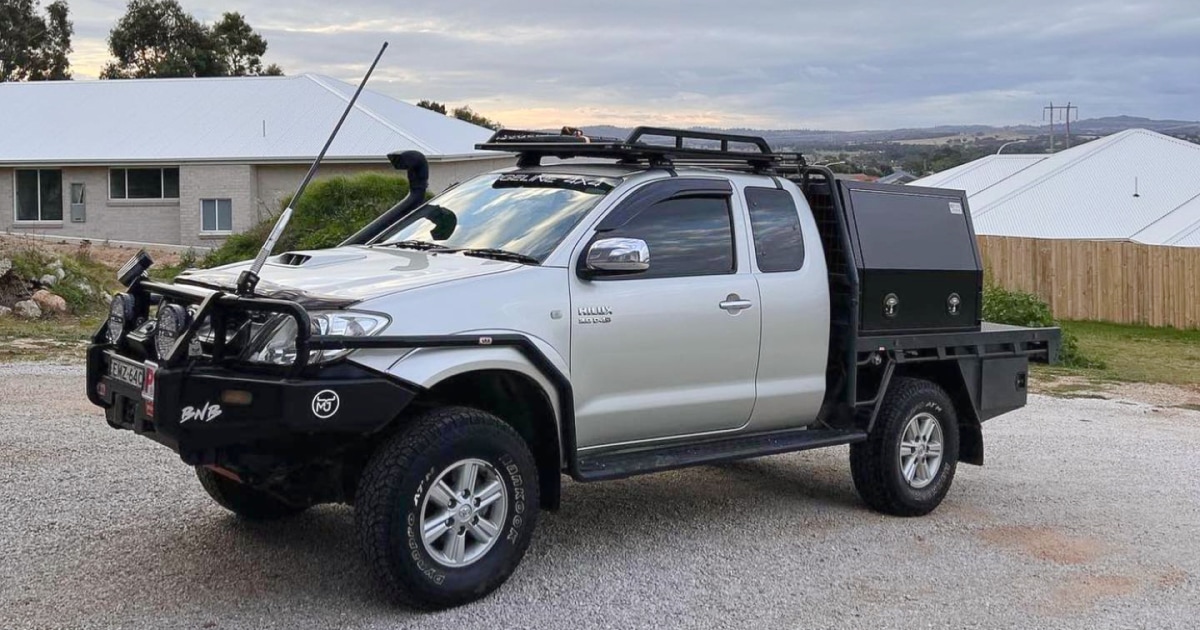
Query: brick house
{"points": [[190, 161]]}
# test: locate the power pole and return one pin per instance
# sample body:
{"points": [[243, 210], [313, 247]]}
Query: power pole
{"points": [[1050, 110]]}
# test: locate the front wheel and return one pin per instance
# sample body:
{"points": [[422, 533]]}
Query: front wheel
{"points": [[445, 509], [906, 465]]}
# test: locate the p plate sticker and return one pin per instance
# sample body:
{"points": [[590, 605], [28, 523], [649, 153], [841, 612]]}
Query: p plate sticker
{"points": [[325, 403], [955, 207]]}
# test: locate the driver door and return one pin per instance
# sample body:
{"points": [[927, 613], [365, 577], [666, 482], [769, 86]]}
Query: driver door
{"points": [[672, 350]]}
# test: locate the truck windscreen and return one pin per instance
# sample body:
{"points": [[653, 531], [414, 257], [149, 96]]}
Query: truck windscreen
{"points": [[523, 213]]}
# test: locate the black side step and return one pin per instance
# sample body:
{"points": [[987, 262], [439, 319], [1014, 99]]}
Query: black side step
{"points": [[616, 464]]}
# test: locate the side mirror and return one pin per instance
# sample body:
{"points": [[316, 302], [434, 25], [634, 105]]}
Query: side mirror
{"points": [[619, 255]]}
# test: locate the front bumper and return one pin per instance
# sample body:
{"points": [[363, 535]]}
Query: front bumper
{"points": [[206, 412]]}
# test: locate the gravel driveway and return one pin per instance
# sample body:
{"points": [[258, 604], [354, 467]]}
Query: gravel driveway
{"points": [[1087, 515]]}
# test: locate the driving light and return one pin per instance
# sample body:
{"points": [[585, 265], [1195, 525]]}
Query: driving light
{"points": [[172, 321], [134, 268], [120, 315]]}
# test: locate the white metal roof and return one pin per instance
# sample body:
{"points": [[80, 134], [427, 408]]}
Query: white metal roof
{"points": [[1088, 192], [258, 119]]}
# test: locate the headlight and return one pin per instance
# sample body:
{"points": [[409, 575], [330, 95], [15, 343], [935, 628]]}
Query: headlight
{"points": [[120, 315], [173, 319], [276, 343]]}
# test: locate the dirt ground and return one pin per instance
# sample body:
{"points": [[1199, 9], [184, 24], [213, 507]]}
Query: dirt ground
{"points": [[1084, 517], [111, 255]]}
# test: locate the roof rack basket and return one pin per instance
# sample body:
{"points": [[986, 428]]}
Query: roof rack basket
{"points": [[670, 147]]}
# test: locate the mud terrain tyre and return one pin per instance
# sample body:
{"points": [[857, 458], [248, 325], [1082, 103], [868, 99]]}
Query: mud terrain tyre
{"points": [[248, 503], [906, 465], [446, 508]]}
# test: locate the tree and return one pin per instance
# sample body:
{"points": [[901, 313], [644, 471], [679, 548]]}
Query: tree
{"points": [[432, 106], [32, 47], [158, 38], [466, 113], [239, 48]]}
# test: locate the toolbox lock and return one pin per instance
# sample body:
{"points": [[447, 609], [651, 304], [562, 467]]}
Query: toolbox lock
{"points": [[952, 303], [890, 303]]}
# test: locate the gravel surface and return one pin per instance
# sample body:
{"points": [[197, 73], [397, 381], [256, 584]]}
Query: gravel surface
{"points": [[1086, 516]]}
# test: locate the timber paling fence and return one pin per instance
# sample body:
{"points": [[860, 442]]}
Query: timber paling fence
{"points": [[1111, 281]]}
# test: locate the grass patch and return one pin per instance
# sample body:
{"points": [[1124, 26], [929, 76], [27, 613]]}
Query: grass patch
{"points": [[41, 339], [1138, 354], [330, 211]]}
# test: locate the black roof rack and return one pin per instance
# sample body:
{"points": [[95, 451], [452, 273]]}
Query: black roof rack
{"points": [[721, 150]]}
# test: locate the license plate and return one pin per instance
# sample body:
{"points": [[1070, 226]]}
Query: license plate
{"points": [[126, 371]]}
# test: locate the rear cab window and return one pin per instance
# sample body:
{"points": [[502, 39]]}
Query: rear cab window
{"points": [[775, 226]]}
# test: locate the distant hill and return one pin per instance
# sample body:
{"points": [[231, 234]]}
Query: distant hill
{"points": [[810, 138]]}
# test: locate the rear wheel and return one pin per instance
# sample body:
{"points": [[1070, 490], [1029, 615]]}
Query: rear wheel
{"points": [[245, 501], [907, 464], [445, 509]]}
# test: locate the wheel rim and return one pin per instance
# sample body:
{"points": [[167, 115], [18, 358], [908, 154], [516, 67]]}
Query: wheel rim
{"points": [[921, 450], [463, 513]]}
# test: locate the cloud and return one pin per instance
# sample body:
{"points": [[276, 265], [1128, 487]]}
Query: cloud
{"points": [[866, 64]]}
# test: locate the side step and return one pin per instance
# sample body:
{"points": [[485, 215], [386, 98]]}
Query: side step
{"points": [[626, 462]]}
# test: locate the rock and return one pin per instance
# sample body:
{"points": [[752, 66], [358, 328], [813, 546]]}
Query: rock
{"points": [[49, 303], [5, 266], [60, 273], [85, 288], [5, 312], [27, 309], [48, 280]]}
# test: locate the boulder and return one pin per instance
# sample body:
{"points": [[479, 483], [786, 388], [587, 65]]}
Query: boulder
{"points": [[49, 303], [60, 273], [48, 280], [5, 312], [27, 309]]}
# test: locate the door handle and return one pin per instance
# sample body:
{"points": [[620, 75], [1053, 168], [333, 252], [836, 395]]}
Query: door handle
{"points": [[734, 303]]}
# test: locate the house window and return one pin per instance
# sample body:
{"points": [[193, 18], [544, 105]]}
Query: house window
{"points": [[216, 215], [143, 183], [39, 195]]}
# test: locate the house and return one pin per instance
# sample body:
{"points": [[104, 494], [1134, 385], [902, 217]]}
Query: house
{"points": [[898, 176], [191, 161], [1136, 185]]}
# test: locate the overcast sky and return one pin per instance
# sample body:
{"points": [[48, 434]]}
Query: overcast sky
{"points": [[782, 64]]}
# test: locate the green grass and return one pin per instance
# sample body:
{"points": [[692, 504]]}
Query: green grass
{"points": [[41, 339], [1138, 354]]}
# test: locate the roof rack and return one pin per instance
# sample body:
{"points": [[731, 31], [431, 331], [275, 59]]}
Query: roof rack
{"points": [[681, 148]]}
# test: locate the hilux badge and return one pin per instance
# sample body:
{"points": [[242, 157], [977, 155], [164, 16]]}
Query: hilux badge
{"points": [[325, 403]]}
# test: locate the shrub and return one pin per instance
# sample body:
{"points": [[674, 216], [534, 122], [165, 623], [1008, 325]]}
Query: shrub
{"points": [[331, 210], [1019, 308]]}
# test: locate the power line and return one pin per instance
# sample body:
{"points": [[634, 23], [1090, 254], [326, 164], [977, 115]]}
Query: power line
{"points": [[1064, 112]]}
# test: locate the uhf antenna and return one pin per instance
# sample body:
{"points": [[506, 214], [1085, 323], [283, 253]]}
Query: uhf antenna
{"points": [[248, 279]]}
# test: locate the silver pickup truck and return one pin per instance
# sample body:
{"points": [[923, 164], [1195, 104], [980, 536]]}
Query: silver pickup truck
{"points": [[606, 308]]}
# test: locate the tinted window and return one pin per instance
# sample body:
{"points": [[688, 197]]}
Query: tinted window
{"points": [[143, 183], [687, 237], [39, 195], [775, 223]]}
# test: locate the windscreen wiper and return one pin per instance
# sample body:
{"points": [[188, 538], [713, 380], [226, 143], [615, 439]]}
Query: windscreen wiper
{"points": [[500, 254], [419, 245]]}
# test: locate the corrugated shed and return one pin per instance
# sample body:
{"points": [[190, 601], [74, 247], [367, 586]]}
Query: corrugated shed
{"points": [[269, 119], [1136, 185]]}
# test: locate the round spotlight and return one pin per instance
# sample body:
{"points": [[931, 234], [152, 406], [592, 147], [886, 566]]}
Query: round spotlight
{"points": [[120, 315], [172, 321]]}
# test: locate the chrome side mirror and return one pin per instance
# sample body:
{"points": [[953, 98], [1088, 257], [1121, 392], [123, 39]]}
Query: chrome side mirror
{"points": [[618, 255]]}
